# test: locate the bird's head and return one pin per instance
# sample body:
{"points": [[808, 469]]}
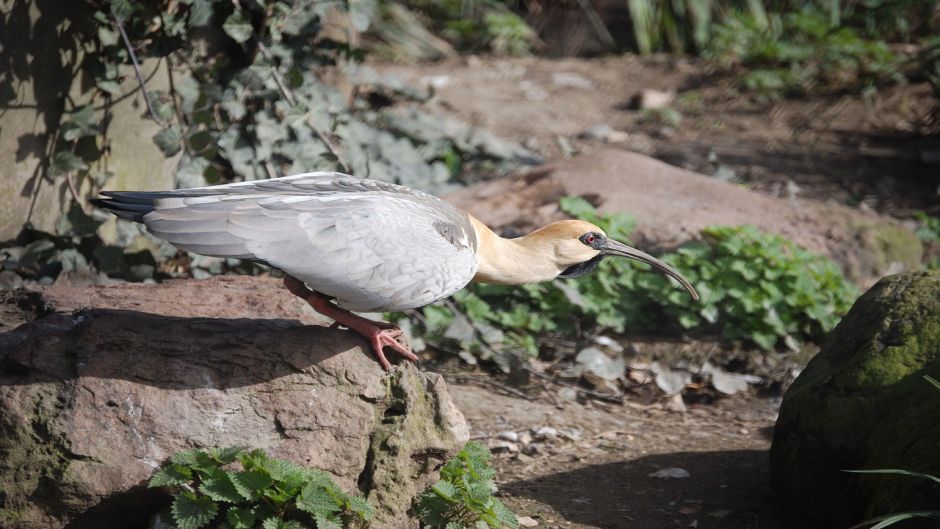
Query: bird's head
{"points": [[580, 246]]}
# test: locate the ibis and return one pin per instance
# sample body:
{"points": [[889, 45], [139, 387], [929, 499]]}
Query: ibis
{"points": [[347, 244]]}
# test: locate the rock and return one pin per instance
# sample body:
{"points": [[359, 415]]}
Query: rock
{"points": [[92, 402], [672, 205], [650, 99], [862, 403]]}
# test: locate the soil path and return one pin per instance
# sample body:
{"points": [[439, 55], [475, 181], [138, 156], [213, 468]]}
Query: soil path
{"points": [[596, 472]]}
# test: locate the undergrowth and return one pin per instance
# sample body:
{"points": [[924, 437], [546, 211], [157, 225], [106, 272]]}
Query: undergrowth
{"points": [[755, 287], [800, 52], [234, 488], [463, 498]]}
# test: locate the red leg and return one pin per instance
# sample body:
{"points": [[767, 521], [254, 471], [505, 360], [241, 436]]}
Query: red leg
{"points": [[379, 333]]}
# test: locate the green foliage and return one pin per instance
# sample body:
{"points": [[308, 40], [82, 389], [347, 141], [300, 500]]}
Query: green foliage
{"points": [[800, 52], [463, 498], [269, 493], [482, 25], [755, 287], [929, 230]]}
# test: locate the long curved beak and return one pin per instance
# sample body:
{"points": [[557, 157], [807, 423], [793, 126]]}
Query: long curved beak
{"points": [[612, 247]]}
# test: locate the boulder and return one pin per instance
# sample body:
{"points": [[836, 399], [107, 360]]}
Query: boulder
{"points": [[91, 402], [863, 403], [672, 205]]}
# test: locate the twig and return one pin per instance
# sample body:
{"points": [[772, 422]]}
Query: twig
{"points": [[140, 76], [289, 96]]}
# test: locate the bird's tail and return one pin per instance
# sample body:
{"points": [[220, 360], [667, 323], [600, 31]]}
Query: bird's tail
{"points": [[130, 205]]}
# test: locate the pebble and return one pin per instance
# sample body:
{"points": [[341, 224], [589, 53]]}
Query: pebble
{"points": [[525, 521], [543, 433], [671, 473]]}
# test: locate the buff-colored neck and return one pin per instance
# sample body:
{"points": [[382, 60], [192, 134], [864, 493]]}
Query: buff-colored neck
{"points": [[528, 259]]}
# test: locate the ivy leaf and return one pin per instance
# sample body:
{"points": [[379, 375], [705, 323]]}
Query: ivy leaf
{"points": [[65, 162], [192, 512], [110, 86], [250, 483], [200, 13], [168, 140], [219, 487], [124, 8], [170, 475], [80, 124], [238, 27]]}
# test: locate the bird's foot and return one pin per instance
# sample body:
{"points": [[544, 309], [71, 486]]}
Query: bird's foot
{"points": [[380, 334], [389, 337]]}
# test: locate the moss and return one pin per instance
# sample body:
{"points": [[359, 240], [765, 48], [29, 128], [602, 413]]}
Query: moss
{"points": [[413, 436], [34, 456], [862, 403]]}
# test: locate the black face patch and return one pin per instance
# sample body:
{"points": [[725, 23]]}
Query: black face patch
{"points": [[581, 269], [593, 239]]}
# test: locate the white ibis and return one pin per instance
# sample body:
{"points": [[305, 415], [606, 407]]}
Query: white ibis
{"points": [[370, 246]]}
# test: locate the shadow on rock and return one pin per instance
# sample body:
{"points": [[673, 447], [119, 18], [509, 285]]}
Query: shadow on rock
{"points": [[724, 489], [166, 352]]}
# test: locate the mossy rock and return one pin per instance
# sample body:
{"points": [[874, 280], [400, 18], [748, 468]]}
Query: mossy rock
{"points": [[863, 403], [884, 244]]}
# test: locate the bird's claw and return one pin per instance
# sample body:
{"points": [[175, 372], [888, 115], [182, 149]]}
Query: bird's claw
{"points": [[389, 337]]}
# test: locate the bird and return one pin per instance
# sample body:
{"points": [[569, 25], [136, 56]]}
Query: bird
{"points": [[347, 244]]}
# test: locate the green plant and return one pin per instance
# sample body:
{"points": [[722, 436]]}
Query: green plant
{"points": [[212, 491], [929, 230], [463, 498], [799, 52], [755, 286]]}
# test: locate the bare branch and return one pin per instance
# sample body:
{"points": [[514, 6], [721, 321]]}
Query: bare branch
{"points": [[140, 76]]}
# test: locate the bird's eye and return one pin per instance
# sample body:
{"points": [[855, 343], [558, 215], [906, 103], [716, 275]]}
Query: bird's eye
{"points": [[588, 238]]}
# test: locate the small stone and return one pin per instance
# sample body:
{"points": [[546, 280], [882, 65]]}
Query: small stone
{"points": [[525, 521], [650, 99], [671, 473], [509, 436], [10, 280], [499, 446], [525, 438], [596, 132], [544, 433], [571, 80]]}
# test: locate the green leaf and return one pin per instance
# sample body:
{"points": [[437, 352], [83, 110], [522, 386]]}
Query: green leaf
{"points": [[65, 162], [240, 518], [360, 507], [315, 499], [110, 86], [881, 522], [445, 490], [200, 12], [124, 8], [219, 487], [327, 521], [226, 455], [169, 140], [897, 472], [192, 512], [238, 26], [170, 475], [250, 483]]}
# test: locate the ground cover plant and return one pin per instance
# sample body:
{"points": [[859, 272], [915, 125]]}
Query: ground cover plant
{"points": [[463, 497], [237, 488]]}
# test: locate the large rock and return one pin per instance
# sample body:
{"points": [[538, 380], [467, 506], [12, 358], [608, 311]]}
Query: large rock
{"points": [[672, 205], [92, 402], [862, 403]]}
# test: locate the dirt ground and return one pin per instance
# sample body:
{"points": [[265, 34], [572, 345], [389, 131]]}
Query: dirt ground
{"points": [[866, 152], [597, 472], [863, 152]]}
